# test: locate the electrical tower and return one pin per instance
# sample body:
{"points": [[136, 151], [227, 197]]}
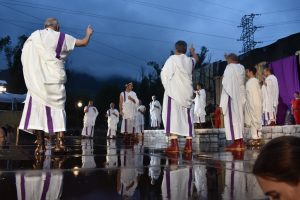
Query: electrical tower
{"points": [[248, 31]]}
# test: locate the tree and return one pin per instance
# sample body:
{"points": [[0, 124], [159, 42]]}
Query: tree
{"points": [[14, 64]]}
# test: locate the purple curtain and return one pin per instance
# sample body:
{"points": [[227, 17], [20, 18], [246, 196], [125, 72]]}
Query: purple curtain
{"points": [[286, 71]]}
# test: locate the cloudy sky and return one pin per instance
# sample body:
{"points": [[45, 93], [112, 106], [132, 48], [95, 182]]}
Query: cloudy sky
{"points": [[128, 33]]}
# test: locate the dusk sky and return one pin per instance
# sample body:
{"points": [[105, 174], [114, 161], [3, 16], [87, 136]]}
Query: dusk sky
{"points": [[129, 33]]}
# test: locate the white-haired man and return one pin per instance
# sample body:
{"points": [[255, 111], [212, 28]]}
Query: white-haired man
{"points": [[43, 57]]}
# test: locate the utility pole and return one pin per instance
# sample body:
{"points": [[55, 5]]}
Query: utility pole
{"points": [[248, 30]]}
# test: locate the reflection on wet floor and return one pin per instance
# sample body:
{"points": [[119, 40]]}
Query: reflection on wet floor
{"points": [[109, 169]]}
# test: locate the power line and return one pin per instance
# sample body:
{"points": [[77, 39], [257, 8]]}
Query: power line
{"points": [[282, 23], [118, 35], [128, 21], [280, 11], [183, 12]]}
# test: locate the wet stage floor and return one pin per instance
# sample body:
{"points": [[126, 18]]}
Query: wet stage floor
{"points": [[109, 169]]}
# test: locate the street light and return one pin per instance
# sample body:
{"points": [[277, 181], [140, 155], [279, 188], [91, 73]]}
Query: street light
{"points": [[2, 88], [79, 104]]}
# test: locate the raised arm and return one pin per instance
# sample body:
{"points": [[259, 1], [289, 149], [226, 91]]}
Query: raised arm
{"points": [[84, 41], [194, 55]]}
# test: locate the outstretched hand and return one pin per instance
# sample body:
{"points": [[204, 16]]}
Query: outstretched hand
{"points": [[89, 30]]}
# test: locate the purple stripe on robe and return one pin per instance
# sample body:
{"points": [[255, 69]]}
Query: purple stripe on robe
{"points": [[168, 181], [46, 186], [91, 130], [232, 180], [59, 45], [230, 119], [23, 191], [28, 114], [190, 122], [168, 126], [125, 125], [86, 130], [49, 119], [190, 182]]}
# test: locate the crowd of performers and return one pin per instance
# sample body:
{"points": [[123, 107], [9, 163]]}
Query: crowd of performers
{"points": [[43, 57]]}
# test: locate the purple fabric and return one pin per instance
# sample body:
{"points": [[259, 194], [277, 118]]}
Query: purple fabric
{"points": [[230, 119], [190, 122], [168, 126], [60, 43], [286, 71], [168, 180], [23, 194], [28, 113], [190, 182], [49, 119], [46, 186]]}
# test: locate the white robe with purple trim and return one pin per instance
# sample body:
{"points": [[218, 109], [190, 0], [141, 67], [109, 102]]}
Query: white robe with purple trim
{"points": [[176, 77], [43, 58], [129, 112], [112, 122], [89, 121], [271, 98], [232, 101], [253, 107]]}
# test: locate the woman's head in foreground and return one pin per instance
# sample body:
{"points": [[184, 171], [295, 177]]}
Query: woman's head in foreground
{"points": [[277, 168]]}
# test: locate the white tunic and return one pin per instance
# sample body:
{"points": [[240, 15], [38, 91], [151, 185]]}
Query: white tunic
{"points": [[90, 116], [233, 100], [176, 77], [140, 119], [129, 112], [200, 104], [44, 75], [272, 97], [253, 107], [112, 118], [155, 113]]}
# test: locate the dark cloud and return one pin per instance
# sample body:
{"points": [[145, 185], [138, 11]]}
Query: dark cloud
{"points": [[119, 47]]}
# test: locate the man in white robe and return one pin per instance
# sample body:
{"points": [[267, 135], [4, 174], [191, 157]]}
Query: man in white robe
{"points": [[140, 119], [43, 57], [253, 107], [272, 96], [112, 121], [155, 113], [89, 119], [128, 107], [200, 104], [176, 77], [232, 102]]}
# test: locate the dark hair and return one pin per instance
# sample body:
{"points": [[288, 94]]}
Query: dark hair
{"points": [[279, 160], [181, 46], [268, 69], [201, 85], [297, 93], [252, 69]]}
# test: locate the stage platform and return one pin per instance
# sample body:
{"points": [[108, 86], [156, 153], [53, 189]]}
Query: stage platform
{"points": [[111, 169]]}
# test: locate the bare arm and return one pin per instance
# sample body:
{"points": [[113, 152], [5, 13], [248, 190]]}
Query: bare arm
{"points": [[194, 55], [121, 105], [84, 41]]}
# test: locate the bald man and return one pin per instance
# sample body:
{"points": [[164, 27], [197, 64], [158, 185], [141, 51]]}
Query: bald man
{"points": [[43, 57]]}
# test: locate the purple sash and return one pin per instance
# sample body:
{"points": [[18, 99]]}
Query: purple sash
{"points": [[60, 43]]}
